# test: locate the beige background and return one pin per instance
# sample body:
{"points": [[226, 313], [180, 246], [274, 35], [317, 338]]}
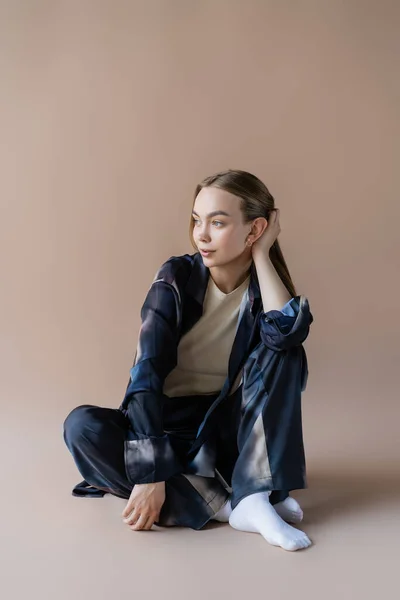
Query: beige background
{"points": [[111, 112]]}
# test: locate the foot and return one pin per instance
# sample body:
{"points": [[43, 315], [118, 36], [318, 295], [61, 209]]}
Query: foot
{"points": [[289, 510], [255, 514], [224, 513]]}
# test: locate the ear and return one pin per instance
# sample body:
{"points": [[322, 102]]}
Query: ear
{"points": [[258, 227]]}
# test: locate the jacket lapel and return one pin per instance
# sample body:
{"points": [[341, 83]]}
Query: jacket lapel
{"points": [[247, 328]]}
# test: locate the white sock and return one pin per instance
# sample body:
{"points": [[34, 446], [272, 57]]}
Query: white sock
{"points": [[254, 513], [224, 513], [289, 510]]}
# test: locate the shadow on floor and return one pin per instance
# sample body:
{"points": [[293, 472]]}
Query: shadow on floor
{"points": [[331, 495]]}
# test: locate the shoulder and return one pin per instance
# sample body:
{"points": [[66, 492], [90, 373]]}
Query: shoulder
{"points": [[176, 270]]}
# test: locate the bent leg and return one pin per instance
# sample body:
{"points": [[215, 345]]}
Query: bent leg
{"points": [[270, 446], [269, 426], [95, 437]]}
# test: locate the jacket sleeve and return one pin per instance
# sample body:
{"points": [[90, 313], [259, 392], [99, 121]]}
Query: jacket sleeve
{"points": [[288, 327], [149, 456]]}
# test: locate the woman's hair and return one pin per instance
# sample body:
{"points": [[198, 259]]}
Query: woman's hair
{"points": [[256, 201]]}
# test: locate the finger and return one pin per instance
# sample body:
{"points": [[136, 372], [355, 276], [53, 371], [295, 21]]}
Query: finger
{"points": [[149, 524], [128, 508], [133, 517], [128, 512], [140, 523]]}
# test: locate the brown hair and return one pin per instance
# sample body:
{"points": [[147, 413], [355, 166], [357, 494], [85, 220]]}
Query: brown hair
{"points": [[256, 201]]}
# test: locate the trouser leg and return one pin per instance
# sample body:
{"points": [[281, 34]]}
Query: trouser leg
{"points": [[95, 437], [228, 453], [267, 427]]}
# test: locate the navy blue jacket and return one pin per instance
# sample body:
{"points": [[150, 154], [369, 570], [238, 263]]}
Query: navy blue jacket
{"points": [[174, 303]]}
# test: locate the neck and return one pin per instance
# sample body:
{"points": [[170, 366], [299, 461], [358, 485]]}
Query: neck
{"points": [[228, 277]]}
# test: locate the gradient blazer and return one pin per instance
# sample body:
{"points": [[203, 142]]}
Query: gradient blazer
{"points": [[173, 304]]}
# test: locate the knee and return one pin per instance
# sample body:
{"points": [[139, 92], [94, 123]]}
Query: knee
{"points": [[79, 420]]}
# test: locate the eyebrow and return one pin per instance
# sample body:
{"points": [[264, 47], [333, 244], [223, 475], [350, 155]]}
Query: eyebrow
{"points": [[214, 213]]}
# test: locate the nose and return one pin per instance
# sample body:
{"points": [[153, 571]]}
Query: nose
{"points": [[202, 234]]}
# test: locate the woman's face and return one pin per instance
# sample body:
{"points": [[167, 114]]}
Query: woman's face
{"points": [[218, 226]]}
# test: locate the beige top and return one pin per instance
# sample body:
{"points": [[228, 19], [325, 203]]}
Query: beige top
{"points": [[203, 352]]}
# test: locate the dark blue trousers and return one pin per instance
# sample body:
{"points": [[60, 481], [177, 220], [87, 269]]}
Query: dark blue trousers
{"points": [[256, 445]]}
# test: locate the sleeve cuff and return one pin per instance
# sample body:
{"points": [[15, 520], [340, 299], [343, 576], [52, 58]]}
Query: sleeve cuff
{"points": [[149, 459], [288, 327]]}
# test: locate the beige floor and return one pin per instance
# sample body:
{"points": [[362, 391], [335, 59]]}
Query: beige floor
{"points": [[57, 546]]}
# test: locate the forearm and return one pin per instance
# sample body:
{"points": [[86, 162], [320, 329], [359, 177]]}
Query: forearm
{"points": [[273, 292]]}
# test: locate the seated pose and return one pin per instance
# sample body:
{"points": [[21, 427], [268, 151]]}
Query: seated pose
{"points": [[210, 426]]}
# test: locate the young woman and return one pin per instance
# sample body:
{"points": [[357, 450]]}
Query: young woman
{"points": [[210, 425]]}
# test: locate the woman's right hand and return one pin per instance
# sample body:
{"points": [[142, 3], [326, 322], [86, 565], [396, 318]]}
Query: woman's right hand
{"points": [[144, 505]]}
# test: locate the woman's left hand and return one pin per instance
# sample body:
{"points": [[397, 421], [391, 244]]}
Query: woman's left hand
{"points": [[262, 245]]}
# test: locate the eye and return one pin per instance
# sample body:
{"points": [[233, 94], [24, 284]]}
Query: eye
{"points": [[196, 221]]}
